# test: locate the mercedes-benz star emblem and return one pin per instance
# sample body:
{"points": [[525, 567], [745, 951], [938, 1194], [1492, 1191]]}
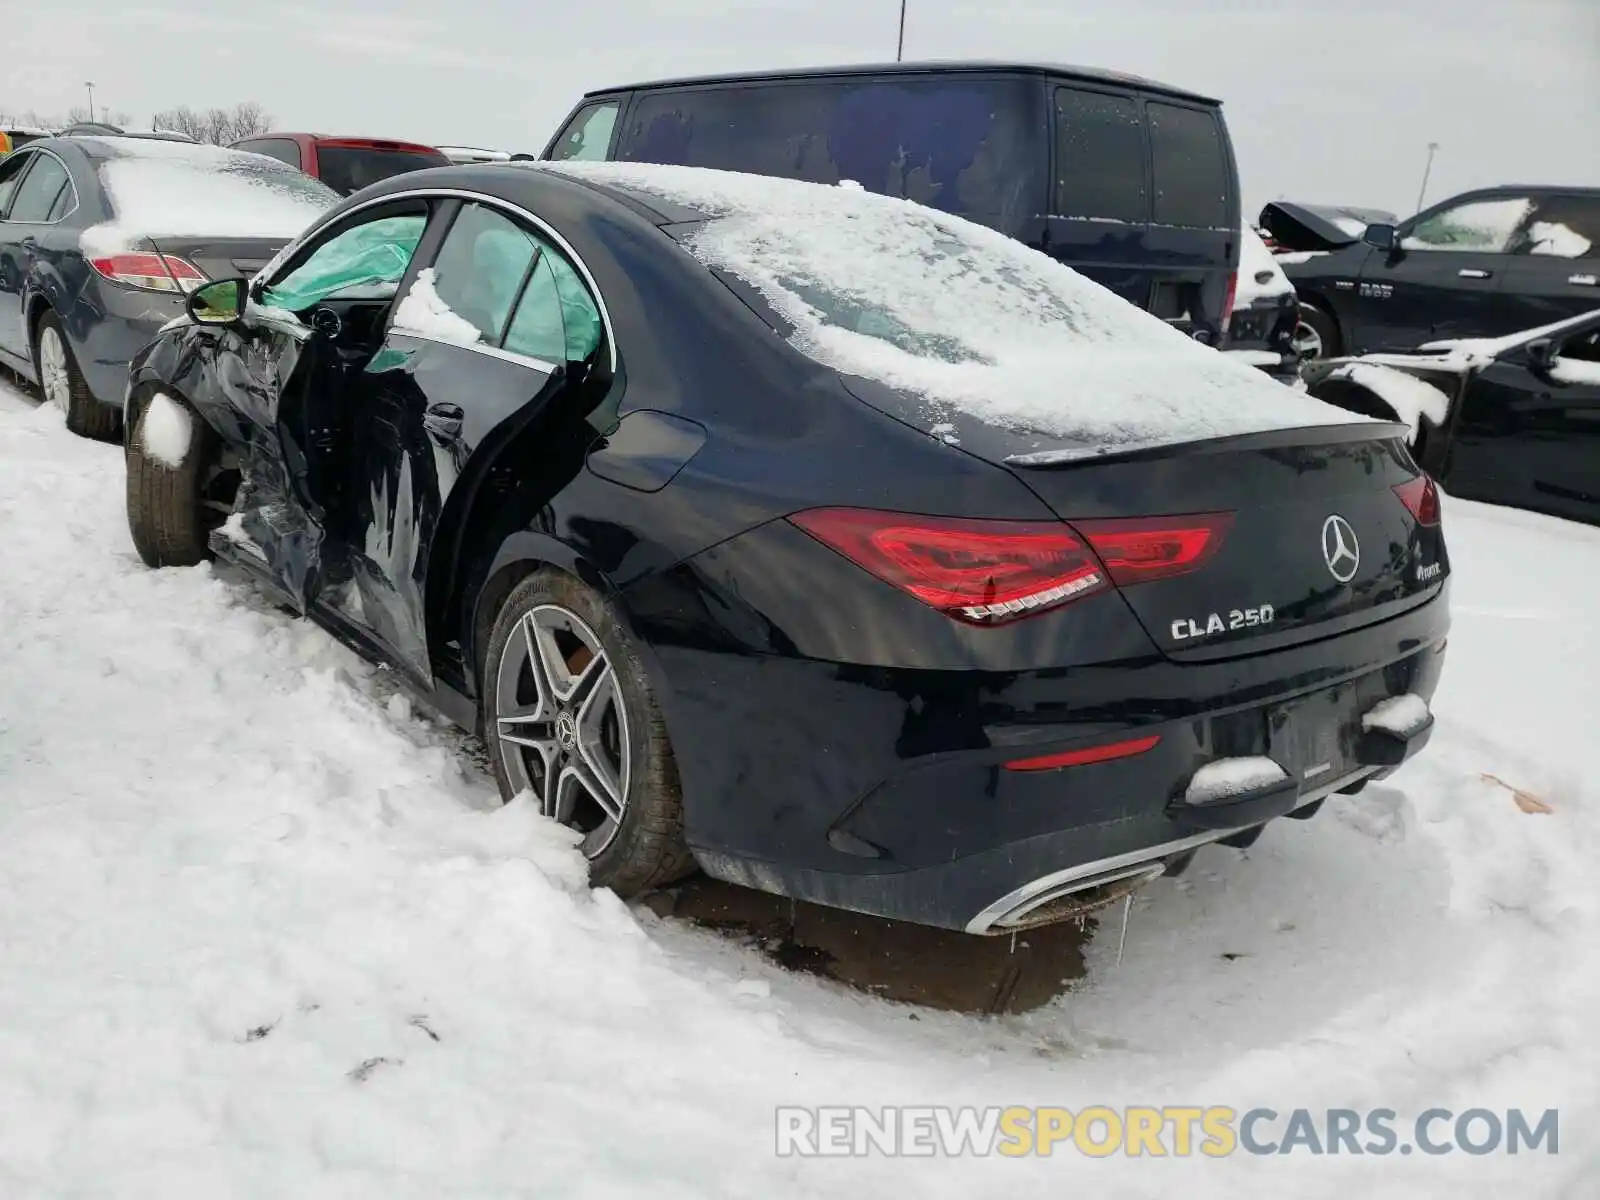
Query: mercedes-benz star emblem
{"points": [[566, 731], [1340, 549]]}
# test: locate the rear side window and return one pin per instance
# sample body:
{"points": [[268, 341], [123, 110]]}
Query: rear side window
{"points": [[1564, 227], [1100, 157], [481, 267], [970, 146], [587, 136], [1190, 167], [285, 150], [556, 319], [11, 170], [40, 190], [348, 169]]}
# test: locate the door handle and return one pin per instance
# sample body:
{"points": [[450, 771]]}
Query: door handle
{"points": [[443, 420], [1473, 273], [1584, 280]]}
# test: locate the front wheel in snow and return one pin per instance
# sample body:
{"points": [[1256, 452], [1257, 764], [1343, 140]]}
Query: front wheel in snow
{"points": [[63, 384], [570, 718], [1316, 336], [177, 484]]}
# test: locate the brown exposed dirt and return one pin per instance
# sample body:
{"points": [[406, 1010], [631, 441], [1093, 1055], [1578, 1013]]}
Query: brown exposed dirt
{"points": [[936, 968]]}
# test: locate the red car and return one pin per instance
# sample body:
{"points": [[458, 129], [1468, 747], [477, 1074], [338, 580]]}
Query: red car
{"points": [[345, 164]]}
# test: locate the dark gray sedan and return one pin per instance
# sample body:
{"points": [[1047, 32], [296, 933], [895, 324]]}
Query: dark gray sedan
{"points": [[101, 238]]}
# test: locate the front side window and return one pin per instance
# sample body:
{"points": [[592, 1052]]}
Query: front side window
{"points": [[348, 169], [371, 257], [40, 190], [1476, 227], [1100, 157], [1190, 167], [588, 136]]}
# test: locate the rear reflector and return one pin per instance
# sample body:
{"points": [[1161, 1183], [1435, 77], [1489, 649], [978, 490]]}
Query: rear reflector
{"points": [[1082, 758], [1421, 498], [1145, 548], [151, 272], [983, 572]]}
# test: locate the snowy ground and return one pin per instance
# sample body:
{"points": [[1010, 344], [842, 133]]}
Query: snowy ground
{"points": [[263, 935]]}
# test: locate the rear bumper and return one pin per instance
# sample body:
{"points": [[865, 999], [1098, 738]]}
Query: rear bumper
{"points": [[887, 792]]}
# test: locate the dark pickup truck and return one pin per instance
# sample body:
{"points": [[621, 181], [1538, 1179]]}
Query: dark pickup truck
{"points": [[1482, 264]]}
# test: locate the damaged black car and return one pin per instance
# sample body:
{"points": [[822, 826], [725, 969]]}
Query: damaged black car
{"points": [[833, 545], [1512, 420]]}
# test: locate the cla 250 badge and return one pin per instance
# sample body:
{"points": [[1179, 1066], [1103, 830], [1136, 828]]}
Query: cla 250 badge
{"points": [[1186, 629]]}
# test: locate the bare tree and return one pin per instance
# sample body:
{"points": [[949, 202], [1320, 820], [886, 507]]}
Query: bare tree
{"points": [[218, 126]]}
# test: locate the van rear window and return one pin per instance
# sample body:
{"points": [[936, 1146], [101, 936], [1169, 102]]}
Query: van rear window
{"points": [[972, 147], [1191, 168], [1101, 170]]}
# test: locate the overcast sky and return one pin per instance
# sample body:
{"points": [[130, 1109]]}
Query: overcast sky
{"points": [[1328, 100]]}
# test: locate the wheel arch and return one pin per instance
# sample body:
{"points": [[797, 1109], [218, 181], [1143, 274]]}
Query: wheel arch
{"points": [[1319, 300]]}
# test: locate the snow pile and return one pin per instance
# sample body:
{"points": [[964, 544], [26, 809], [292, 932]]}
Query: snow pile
{"points": [[964, 317], [1228, 777], [1576, 370], [1554, 238], [1402, 715], [424, 311], [266, 936], [1260, 276], [1477, 352], [1411, 398], [165, 431], [182, 190]]}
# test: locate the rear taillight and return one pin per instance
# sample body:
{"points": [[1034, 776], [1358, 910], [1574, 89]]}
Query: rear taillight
{"points": [[151, 272], [1228, 298], [1145, 548], [983, 572], [1421, 498]]}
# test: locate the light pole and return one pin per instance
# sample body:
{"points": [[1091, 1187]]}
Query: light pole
{"points": [[900, 46], [1423, 190], [90, 86]]}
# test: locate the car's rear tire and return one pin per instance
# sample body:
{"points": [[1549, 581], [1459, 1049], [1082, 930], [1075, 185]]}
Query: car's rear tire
{"points": [[168, 513], [1317, 335], [63, 384], [598, 759]]}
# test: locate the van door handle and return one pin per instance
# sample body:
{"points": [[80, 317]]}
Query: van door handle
{"points": [[443, 420], [1473, 273], [1584, 280]]}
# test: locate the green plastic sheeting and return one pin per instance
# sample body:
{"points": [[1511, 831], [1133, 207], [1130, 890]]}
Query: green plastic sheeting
{"points": [[366, 256]]}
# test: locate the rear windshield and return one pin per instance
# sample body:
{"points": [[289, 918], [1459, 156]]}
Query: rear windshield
{"points": [[969, 146], [348, 169], [190, 190], [969, 320]]}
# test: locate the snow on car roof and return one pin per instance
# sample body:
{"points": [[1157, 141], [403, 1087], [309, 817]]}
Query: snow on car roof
{"points": [[185, 189], [970, 321]]}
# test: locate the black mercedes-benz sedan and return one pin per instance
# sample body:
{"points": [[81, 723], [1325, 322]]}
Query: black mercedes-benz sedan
{"points": [[831, 544], [102, 236]]}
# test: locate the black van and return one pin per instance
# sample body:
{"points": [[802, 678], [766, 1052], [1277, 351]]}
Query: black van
{"points": [[1129, 182]]}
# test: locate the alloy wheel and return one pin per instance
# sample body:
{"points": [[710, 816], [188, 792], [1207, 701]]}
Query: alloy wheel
{"points": [[53, 376], [561, 726], [1307, 342]]}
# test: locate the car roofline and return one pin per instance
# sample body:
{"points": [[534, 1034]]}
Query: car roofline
{"points": [[1095, 75]]}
